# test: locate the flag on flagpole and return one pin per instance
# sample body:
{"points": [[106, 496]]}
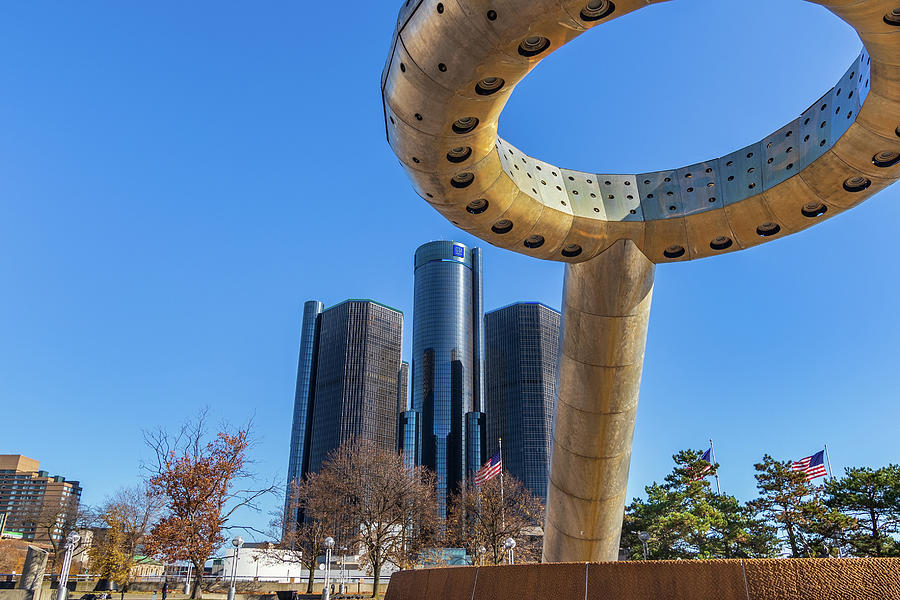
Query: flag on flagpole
{"points": [[813, 466], [491, 469], [707, 456]]}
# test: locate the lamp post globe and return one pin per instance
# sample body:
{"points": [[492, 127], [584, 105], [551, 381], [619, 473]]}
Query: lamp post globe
{"points": [[644, 537], [71, 541], [237, 541], [329, 546], [510, 545]]}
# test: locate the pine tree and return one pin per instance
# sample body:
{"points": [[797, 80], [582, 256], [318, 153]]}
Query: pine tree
{"points": [[871, 497], [686, 519]]}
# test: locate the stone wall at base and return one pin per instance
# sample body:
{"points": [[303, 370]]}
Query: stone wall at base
{"points": [[770, 579]]}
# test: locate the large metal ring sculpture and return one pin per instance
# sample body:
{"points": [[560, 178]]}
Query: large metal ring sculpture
{"points": [[452, 67]]}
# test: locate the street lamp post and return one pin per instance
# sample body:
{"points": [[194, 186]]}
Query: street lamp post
{"points": [[645, 537], [237, 542], [187, 579], [510, 545], [329, 546], [342, 588], [71, 541]]}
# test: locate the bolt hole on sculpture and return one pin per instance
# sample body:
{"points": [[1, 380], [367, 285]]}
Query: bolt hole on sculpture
{"points": [[458, 62]]}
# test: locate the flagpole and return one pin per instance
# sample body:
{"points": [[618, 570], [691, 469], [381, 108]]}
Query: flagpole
{"points": [[828, 458], [502, 501], [712, 449]]}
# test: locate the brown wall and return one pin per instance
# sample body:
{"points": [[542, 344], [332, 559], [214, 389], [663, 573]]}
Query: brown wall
{"points": [[777, 579]]}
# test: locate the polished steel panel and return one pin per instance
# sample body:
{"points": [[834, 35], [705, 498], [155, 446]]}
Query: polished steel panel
{"points": [[606, 306]]}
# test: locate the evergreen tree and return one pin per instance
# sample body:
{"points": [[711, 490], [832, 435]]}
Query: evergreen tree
{"points": [[796, 508], [686, 519], [871, 497], [784, 501]]}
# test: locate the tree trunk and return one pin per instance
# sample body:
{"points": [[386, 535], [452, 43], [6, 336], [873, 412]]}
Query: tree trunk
{"points": [[309, 582], [792, 539], [875, 534], [198, 578], [376, 578]]}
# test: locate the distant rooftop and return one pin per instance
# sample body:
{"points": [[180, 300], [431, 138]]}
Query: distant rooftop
{"points": [[17, 462], [524, 303], [365, 300]]}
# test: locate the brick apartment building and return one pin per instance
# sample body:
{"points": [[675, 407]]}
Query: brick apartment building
{"points": [[39, 506]]}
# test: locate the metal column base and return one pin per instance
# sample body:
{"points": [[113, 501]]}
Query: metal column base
{"points": [[606, 308]]}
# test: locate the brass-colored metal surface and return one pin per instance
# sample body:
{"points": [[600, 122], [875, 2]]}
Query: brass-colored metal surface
{"points": [[606, 304], [452, 67], [454, 64]]}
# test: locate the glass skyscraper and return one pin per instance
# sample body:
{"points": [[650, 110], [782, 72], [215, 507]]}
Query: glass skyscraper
{"points": [[521, 366], [348, 381], [298, 462], [447, 362]]}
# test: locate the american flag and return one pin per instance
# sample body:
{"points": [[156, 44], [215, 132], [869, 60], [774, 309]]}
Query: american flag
{"points": [[813, 466], [707, 456], [490, 469]]}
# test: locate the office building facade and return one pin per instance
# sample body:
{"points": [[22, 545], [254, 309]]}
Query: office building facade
{"points": [[40, 506], [447, 361], [521, 366], [348, 381]]}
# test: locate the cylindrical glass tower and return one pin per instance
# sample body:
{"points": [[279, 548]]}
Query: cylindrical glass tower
{"points": [[447, 357]]}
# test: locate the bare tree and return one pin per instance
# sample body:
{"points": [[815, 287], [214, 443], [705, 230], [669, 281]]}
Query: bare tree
{"points": [[201, 481], [303, 527], [54, 519], [386, 509], [482, 517]]}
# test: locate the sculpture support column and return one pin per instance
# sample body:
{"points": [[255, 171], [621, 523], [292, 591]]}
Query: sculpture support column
{"points": [[606, 309]]}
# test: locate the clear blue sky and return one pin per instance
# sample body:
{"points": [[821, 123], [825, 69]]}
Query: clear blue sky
{"points": [[177, 178]]}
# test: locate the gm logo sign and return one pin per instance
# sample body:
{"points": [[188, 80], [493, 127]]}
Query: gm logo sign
{"points": [[459, 251]]}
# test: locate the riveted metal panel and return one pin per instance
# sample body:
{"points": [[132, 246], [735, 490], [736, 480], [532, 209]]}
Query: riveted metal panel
{"points": [[863, 80], [585, 193], [845, 103], [660, 195], [446, 44], [699, 187], [406, 10], [741, 173], [621, 198], [431, 151], [454, 44], [515, 19], [815, 131], [709, 233], [515, 164], [781, 154], [550, 185]]}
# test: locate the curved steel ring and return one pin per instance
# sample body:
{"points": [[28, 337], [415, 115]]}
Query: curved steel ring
{"points": [[454, 63]]}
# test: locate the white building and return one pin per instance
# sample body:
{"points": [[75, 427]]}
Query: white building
{"points": [[255, 561]]}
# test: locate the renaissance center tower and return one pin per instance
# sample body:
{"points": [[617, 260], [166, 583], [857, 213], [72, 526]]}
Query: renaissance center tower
{"points": [[447, 362]]}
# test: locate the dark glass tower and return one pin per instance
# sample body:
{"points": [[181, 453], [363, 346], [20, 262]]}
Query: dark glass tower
{"points": [[357, 376], [409, 437], [447, 362], [521, 366], [348, 381], [306, 370]]}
